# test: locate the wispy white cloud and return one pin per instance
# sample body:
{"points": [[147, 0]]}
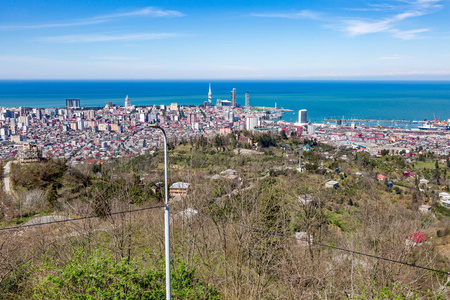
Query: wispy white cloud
{"points": [[88, 38], [52, 25], [408, 34], [400, 11], [357, 27], [147, 11], [303, 14], [410, 9]]}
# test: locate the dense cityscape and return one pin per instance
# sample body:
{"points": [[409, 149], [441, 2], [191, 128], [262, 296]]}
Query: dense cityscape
{"points": [[82, 134], [251, 150]]}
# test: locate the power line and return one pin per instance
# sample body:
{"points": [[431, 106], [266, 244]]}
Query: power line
{"points": [[316, 243], [81, 218], [232, 223]]}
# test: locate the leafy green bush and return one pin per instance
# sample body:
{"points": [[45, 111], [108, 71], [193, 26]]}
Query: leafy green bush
{"points": [[98, 276]]}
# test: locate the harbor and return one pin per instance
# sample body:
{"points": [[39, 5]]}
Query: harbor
{"points": [[372, 121]]}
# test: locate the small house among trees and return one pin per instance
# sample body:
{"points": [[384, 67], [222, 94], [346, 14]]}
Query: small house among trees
{"points": [[179, 188], [332, 184], [425, 209], [416, 239], [381, 177]]}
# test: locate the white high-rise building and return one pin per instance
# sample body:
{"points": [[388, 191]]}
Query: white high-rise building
{"points": [[311, 129], [302, 116], [80, 122], [229, 115], [127, 102], [24, 120], [209, 95], [251, 122], [4, 132], [247, 99], [233, 97]]}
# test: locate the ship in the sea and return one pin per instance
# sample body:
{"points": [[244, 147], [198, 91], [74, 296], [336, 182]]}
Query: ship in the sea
{"points": [[427, 126], [434, 126]]}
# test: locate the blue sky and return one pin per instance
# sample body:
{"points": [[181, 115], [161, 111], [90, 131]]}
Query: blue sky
{"points": [[309, 39]]}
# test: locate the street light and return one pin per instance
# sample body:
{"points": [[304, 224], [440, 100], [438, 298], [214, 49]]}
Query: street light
{"points": [[166, 216], [300, 159]]}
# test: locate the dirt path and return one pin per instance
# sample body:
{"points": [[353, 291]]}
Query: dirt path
{"points": [[6, 180]]}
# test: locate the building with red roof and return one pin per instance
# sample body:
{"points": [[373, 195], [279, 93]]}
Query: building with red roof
{"points": [[416, 239]]}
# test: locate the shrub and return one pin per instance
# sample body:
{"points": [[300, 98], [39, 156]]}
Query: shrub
{"points": [[98, 276]]}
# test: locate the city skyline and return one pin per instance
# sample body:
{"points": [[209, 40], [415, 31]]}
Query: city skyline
{"points": [[388, 40]]}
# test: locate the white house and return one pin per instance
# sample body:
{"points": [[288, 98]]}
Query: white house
{"points": [[425, 209], [332, 184], [424, 181]]}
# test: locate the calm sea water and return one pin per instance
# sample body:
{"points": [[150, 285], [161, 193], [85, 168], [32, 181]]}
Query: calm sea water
{"points": [[349, 99]]}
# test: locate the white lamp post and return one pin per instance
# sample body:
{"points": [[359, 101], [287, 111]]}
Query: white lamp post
{"points": [[166, 216]]}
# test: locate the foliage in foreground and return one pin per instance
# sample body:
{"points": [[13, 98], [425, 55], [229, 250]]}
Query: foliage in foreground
{"points": [[98, 276]]}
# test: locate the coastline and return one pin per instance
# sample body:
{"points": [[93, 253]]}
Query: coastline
{"points": [[376, 100]]}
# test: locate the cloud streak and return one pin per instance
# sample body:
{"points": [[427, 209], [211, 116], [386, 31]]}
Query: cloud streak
{"points": [[412, 9], [303, 14], [152, 12], [403, 10], [90, 38]]}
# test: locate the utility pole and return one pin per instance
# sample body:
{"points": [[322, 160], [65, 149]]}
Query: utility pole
{"points": [[166, 216], [300, 159]]}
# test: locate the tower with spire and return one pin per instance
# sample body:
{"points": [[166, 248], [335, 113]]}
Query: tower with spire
{"points": [[127, 102], [209, 95]]}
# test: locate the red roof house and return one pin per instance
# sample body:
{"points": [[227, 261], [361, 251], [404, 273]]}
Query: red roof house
{"points": [[381, 177], [416, 239]]}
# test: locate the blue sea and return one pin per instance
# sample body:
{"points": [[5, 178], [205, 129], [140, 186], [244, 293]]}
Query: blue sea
{"points": [[410, 100]]}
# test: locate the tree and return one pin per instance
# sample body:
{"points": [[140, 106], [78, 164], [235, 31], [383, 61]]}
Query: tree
{"points": [[437, 176], [51, 196], [267, 141], [384, 152], [218, 142]]}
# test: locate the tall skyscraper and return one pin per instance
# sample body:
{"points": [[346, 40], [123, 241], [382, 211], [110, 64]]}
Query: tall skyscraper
{"points": [[302, 116], [233, 97], [127, 102], [72, 103], [209, 95], [247, 99]]}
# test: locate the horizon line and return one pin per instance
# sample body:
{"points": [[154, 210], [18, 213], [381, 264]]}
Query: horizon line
{"points": [[227, 79]]}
